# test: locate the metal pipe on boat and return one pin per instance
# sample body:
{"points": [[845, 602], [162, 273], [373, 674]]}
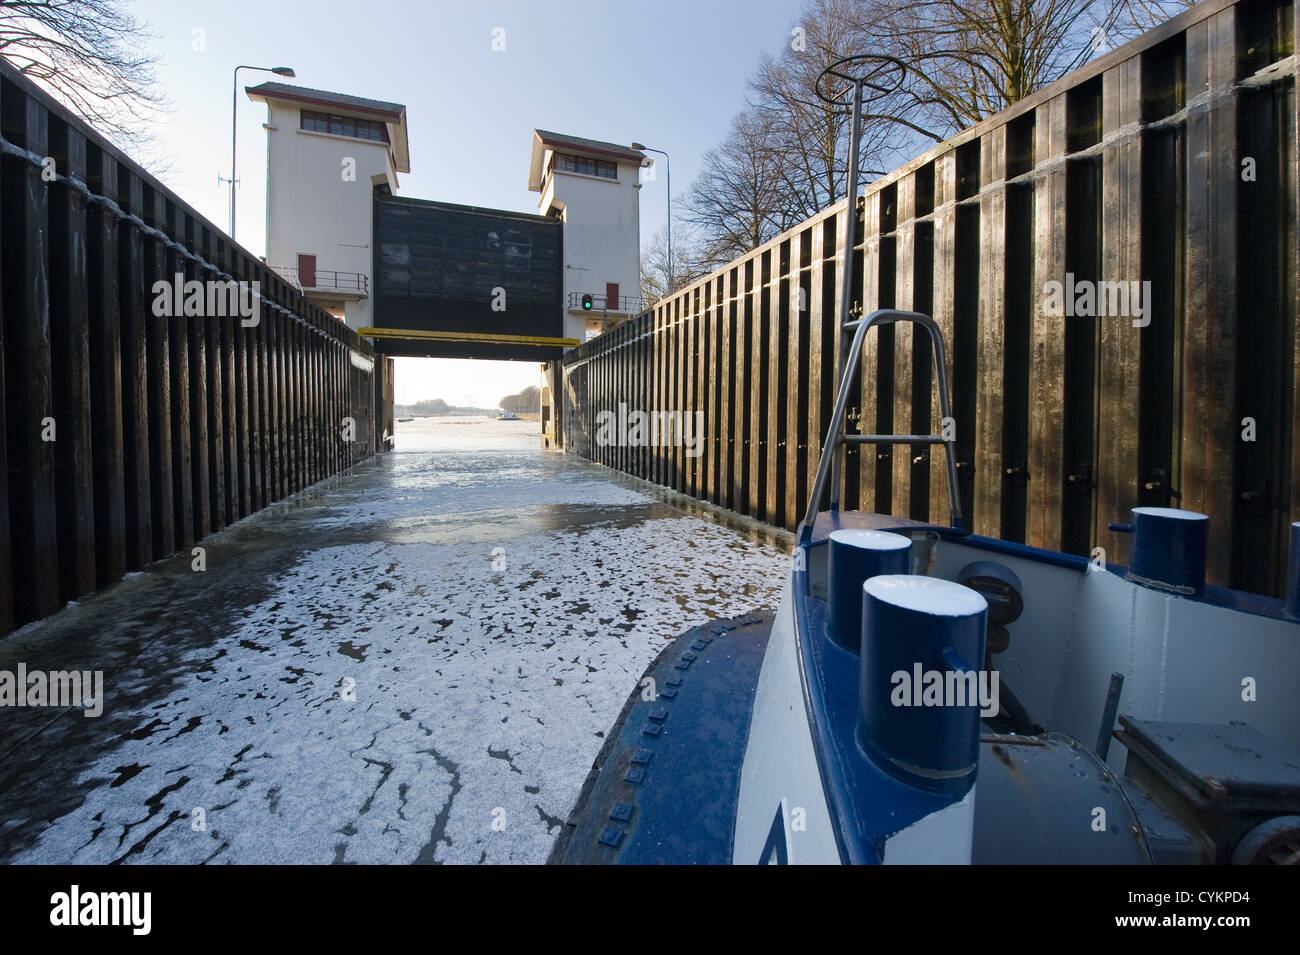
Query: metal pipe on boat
{"points": [[1168, 550], [1108, 714], [846, 260], [920, 694], [855, 557], [1293, 574]]}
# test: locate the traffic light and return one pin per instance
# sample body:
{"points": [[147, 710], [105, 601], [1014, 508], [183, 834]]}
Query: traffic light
{"points": [[586, 302]]}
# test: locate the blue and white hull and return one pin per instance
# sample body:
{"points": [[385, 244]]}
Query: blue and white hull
{"points": [[749, 752], [924, 695]]}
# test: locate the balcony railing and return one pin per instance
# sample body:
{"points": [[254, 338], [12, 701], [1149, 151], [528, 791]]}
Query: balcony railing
{"points": [[355, 282], [631, 304]]}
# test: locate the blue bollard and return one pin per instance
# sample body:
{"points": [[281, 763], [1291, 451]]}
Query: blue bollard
{"points": [[856, 556], [916, 631], [1168, 548], [1293, 574]]}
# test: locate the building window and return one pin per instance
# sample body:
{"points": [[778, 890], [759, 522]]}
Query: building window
{"points": [[349, 126], [566, 162]]}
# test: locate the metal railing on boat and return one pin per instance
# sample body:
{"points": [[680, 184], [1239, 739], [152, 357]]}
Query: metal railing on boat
{"points": [[831, 463]]}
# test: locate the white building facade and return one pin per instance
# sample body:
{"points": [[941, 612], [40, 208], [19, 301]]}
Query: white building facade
{"points": [[595, 188], [325, 155]]}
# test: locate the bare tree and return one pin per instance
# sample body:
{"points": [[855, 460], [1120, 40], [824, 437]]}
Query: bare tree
{"points": [[89, 55], [785, 156], [688, 266], [740, 199], [525, 402], [968, 59], [810, 135]]}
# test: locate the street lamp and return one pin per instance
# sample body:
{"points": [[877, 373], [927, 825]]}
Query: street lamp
{"points": [[234, 109], [668, 175]]}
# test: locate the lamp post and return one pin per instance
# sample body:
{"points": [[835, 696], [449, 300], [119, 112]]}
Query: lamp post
{"points": [[668, 176], [234, 127]]}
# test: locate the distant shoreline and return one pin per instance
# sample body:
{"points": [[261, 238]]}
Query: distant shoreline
{"points": [[400, 414]]}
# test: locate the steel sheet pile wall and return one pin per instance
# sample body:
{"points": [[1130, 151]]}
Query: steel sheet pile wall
{"points": [[1171, 161], [127, 435]]}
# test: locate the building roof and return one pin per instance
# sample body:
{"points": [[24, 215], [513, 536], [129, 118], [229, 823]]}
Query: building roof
{"points": [[588, 145], [394, 114], [544, 139], [325, 98]]}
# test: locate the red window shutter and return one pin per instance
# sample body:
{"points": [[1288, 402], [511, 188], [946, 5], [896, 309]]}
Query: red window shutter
{"points": [[306, 270], [611, 296]]}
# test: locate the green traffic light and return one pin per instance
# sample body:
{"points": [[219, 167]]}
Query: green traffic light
{"points": [[586, 303]]}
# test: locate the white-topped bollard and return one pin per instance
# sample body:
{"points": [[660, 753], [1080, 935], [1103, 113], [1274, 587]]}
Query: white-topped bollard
{"points": [[1168, 550], [920, 701], [921, 691], [855, 557]]}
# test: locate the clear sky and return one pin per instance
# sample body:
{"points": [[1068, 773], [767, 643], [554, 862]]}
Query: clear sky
{"points": [[669, 74]]}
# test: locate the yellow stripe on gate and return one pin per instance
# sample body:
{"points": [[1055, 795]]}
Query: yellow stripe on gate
{"points": [[483, 337]]}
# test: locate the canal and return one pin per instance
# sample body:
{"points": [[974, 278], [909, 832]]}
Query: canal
{"points": [[415, 661]]}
